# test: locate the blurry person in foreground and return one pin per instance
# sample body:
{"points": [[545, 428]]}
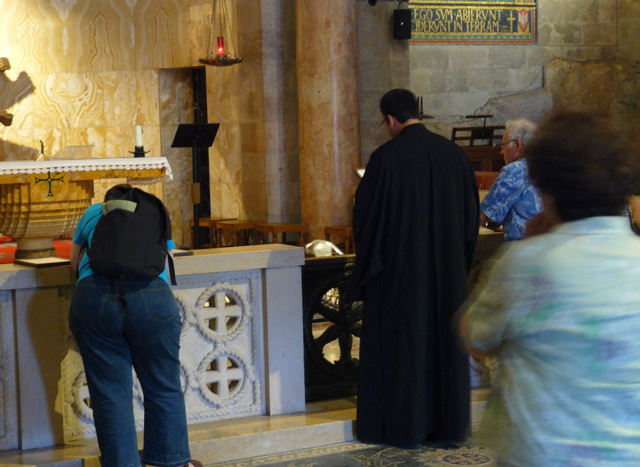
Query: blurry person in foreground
{"points": [[561, 310]]}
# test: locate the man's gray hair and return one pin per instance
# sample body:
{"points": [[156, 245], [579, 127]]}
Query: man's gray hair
{"points": [[522, 129]]}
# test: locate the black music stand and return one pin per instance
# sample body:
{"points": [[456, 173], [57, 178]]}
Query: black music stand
{"points": [[195, 135]]}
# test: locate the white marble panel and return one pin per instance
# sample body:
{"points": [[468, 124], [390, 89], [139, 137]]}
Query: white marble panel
{"points": [[220, 352], [8, 383]]}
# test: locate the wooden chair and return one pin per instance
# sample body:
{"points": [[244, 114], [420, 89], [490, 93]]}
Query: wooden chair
{"points": [[482, 145], [209, 223], [241, 231], [486, 179], [485, 158], [343, 231], [477, 135], [276, 228]]}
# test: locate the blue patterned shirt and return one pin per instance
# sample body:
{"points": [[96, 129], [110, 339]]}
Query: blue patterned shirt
{"points": [[512, 200]]}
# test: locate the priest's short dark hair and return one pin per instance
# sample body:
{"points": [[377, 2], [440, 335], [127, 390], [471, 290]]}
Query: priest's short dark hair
{"points": [[401, 104]]}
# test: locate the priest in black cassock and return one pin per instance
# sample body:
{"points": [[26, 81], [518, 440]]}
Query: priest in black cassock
{"points": [[415, 221]]}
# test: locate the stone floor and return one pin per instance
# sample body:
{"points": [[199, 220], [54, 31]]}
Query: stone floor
{"points": [[324, 427], [356, 454]]}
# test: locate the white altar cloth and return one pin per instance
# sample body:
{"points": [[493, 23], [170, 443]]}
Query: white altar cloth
{"points": [[86, 165]]}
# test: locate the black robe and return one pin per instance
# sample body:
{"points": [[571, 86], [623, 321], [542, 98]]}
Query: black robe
{"points": [[416, 221]]}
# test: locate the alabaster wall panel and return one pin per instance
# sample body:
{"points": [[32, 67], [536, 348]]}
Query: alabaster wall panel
{"points": [[251, 138], [200, 32], [253, 169], [250, 100], [255, 200], [215, 161], [230, 201], [179, 158], [176, 96], [180, 209], [119, 98], [116, 43], [93, 70], [229, 145], [215, 200], [80, 42], [223, 91], [50, 52], [176, 106], [118, 141], [17, 145], [66, 100], [161, 29], [147, 92], [152, 141], [13, 17]]}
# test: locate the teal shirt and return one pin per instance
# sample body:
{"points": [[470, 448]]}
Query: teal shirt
{"points": [[84, 234], [563, 312]]}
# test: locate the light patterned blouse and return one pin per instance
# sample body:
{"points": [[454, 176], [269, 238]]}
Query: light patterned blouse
{"points": [[563, 312]]}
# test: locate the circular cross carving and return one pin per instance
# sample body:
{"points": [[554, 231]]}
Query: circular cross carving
{"points": [[222, 312], [81, 398], [222, 375]]}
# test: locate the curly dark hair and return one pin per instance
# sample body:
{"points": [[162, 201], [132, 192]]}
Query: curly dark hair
{"points": [[115, 192], [587, 161]]}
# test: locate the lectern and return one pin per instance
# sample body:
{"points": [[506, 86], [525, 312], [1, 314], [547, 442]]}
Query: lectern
{"points": [[195, 135]]}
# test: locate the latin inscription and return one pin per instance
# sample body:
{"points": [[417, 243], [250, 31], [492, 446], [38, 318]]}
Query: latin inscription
{"points": [[476, 22]]}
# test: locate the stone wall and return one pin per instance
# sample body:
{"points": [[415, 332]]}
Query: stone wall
{"points": [[508, 81], [629, 30]]}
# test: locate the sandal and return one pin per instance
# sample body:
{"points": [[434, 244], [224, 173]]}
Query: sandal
{"points": [[193, 463]]}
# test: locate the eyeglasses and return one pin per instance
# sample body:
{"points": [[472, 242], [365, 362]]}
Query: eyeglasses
{"points": [[504, 145], [384, 121]]}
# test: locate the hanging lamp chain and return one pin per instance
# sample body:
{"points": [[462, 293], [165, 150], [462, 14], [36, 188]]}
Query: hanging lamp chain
{"points": [[220, 26]]}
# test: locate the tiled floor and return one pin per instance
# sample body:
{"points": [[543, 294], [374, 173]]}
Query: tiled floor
{"points": [[327, 425]]}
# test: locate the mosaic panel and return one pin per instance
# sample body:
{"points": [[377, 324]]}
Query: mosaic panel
{"points": [[473, 22]]}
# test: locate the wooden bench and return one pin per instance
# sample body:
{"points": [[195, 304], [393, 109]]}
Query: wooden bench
{"points": [[209, 223], [275, 228], [241, 231], [343, 231]]}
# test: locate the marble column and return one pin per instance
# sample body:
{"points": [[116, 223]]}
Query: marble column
{"points": [[329, 133]]}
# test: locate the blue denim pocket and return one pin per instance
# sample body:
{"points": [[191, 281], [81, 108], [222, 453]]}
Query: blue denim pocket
{"points": [[159, 302]]}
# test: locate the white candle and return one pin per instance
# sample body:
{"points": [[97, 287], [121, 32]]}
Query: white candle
{"points": [[138, 136]]}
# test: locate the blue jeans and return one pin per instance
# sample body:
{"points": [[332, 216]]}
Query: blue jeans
{"points": [[142, 331]]}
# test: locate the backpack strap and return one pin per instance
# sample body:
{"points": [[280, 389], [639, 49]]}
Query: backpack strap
{"points": [[172, 270], [108, 206]]}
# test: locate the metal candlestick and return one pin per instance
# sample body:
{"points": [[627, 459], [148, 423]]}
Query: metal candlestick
{"points": [[139, 151]]}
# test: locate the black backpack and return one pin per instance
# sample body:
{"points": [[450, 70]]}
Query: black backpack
{"points": [[130, 239]]}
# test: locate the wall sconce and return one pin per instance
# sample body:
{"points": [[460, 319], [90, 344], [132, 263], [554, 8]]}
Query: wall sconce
{"points": [[220, 28]]}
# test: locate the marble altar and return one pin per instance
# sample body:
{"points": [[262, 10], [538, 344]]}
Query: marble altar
{"points": [[43, 200], [241, 345]]}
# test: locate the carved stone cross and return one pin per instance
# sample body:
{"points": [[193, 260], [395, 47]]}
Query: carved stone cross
{"points": [[5, 117]]}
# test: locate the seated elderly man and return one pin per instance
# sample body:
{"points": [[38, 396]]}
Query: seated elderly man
{"points": [[512, 200]]}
